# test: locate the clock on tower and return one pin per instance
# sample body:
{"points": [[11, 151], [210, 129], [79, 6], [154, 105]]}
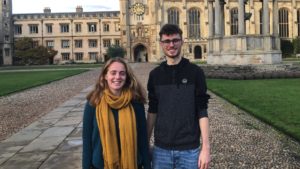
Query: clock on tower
{"points": [[138, 8]]}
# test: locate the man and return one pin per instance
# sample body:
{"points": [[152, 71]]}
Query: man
{"points": [[178, 108]]}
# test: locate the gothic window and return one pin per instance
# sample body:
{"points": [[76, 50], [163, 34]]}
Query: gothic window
{"points": [[117, 42], [234, 21], [298, 21], [65, 44], [77, 27], [79, 56], [65, 56], [64, 27], [117, 27], [139, 17], [106, 43], [214, 19], [33, 29], [260, 21], [18, 29], [283, 22], [6, 38], [194, 23], [173, 16], [93, 55], [49, 28], [198, 52], [50, 44], [78, 43], [92, 43], [105, 27], [92, 27], [7, 52]]}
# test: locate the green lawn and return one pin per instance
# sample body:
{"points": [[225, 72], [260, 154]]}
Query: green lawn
{"points": [[16, 81], [296, 59], [293, 60], [74, 66], [275, 101]]}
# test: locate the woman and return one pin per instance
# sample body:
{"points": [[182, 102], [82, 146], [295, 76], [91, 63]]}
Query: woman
{"points": [[114, 124]]}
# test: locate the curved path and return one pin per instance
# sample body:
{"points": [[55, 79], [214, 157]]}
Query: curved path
{"points": [[237, 139]]}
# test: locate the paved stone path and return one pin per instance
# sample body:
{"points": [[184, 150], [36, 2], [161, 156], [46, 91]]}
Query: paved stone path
{"points": [[237, 139]]}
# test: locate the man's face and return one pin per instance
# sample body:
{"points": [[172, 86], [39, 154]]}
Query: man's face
{"points": [[171, 45]]}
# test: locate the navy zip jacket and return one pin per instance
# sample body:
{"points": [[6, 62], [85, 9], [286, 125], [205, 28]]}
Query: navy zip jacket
{"points": [[92, 149], [177, 94]]}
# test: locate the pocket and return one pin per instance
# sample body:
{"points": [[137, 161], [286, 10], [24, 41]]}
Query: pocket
{"points": [[190, 158]]}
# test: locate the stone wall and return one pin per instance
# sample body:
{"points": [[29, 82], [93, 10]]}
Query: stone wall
{"points": [[251, 71]]}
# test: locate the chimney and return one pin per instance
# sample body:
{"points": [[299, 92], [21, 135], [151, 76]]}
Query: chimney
{"points": [[79, 9], [47, 10]]}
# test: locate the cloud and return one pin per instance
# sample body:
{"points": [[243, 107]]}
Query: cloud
{"points": [[20, 6], [97, 8]]}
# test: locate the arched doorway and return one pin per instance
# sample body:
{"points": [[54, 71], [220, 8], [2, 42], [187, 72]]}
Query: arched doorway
{"points": [[140, 53], [197, 52]]}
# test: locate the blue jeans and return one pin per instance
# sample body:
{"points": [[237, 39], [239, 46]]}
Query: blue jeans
{"points": [[170, 159]]}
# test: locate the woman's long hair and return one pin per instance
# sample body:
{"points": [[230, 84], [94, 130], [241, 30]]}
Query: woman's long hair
{"points": [[131, 83]]}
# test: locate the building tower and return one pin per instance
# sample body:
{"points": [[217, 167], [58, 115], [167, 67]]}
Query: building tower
{"points": [[6, 32], [138, 25]]}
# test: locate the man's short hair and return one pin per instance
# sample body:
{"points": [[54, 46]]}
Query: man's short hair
{"points": [[170, 29]]}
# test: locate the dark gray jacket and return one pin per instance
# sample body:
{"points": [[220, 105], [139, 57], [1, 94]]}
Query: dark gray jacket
{"points": [[178, 95]]}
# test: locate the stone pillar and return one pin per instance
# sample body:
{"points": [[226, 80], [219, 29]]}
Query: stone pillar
{"points": [[211, 31], [241, 17], [128, 32], [210, 19], [293, 27], [275, 24], [222, 20], [217, 18], [275, 18], [266, 21], [184, 17]]}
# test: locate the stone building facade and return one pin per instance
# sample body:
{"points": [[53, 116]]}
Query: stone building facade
{"points": [[84, 36], [78, 36], [6, 33]]}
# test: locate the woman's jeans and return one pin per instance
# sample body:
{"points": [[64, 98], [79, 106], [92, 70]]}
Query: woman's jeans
{"points": [[170, 159]]}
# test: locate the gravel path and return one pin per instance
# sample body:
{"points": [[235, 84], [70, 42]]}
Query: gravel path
{"points": [[20, 109], [237, 139]]}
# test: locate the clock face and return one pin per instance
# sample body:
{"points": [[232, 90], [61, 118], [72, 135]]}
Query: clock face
{"points": [[138, 8]]}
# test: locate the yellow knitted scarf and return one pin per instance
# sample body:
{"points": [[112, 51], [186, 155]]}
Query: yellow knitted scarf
{"points": [[127, 130]]}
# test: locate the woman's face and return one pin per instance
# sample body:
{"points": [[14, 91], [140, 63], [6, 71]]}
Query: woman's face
{"points": [[116, 77]]}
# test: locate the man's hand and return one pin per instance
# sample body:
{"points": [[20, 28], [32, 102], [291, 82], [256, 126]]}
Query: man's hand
{"points": [[204, 156], [204, 159]]}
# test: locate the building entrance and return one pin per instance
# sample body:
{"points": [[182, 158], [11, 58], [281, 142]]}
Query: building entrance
{"points": [[198, 52], [140, 53]]}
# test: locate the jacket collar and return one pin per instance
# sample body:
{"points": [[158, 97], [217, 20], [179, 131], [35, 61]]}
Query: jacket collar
{"points": [[182, 63]]}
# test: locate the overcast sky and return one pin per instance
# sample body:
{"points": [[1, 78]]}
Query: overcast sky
{"points": [[37, 6]]}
